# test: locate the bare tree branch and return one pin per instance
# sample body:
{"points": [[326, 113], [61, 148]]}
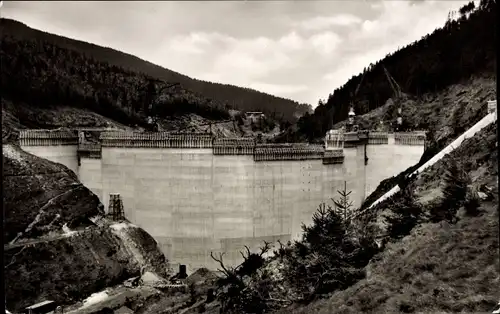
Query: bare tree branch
{"points": [[221, 263]]}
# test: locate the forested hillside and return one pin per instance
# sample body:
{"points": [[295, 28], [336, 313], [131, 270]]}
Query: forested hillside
{"points": [[463, 47], [101, 78], [43, 75]]}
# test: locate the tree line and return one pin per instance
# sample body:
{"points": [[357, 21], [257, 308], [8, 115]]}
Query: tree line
{"points": [[41, 74]]}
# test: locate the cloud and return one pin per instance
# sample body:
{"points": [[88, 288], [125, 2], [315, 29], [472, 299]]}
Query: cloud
{"points": [[197, 42], [325, 43], [278, 90], [245, 60], [398, 24], [319, 23], [292, 41]]}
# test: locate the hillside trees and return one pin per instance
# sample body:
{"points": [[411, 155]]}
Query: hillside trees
{"points": [[456, 192], [44, 75], [460, 49], [406, 213], [65, 49]]}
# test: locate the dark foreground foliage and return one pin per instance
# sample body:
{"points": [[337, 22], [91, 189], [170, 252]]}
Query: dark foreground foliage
{"points": [[331, 256], [406, 213]]}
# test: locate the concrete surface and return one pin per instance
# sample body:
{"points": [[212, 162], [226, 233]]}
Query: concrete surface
{"points": [[194, 202]]}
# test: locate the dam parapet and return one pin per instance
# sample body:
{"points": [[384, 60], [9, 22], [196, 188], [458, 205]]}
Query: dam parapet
{"points": [[333, 157], [378, 138], [271, 152], [234, 146], [410, 138], [335, 140], [156, 139], [90, 150], [48, 137]]}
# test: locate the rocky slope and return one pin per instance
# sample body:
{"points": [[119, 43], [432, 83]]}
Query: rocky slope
{"points": [[445, 115], [57, 245]]}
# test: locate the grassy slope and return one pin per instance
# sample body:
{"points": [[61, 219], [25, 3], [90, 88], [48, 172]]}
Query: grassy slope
{"points": [[437, 268]]}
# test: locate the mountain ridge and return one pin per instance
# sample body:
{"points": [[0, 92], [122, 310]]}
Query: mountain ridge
{"points": [[237, 97]]}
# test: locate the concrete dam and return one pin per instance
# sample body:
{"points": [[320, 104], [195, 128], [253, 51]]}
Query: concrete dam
{"points": [[197, 194]]}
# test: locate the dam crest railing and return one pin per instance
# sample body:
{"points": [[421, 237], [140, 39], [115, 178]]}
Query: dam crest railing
{"points": [[331, 153], [48, 137]]}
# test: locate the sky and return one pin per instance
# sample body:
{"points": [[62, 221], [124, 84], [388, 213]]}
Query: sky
{"points": [[300, 50]]}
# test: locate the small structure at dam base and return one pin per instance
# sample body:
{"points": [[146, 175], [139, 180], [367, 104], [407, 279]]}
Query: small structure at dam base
{"points": [[115, 209]]}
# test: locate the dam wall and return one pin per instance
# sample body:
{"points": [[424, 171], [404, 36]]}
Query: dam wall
{"points": [[196, 194], [389, 154], [90, 167], [59, 146]]}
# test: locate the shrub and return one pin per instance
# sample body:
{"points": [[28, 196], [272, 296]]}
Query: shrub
{"points": [[333, 251], [234, 288], [455, 182], [406, 214], [472, 203]]}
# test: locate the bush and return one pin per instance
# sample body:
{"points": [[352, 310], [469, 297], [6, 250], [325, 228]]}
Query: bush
{"points": [[472, 203], [407, 213], [333, 252], [455, 182], [235, 291]]}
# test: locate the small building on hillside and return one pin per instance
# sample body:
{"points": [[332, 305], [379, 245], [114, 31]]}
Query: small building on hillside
{"points": [[492, 106], [255, 116]]}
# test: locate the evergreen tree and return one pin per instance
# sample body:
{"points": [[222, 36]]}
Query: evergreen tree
{"points": [[455, 182], [406, 214], [343, 206]]}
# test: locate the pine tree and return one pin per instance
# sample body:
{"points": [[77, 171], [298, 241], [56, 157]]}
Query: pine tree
{"points": [[406, 213], [455, 181], [343, 206], [327, 229]]}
